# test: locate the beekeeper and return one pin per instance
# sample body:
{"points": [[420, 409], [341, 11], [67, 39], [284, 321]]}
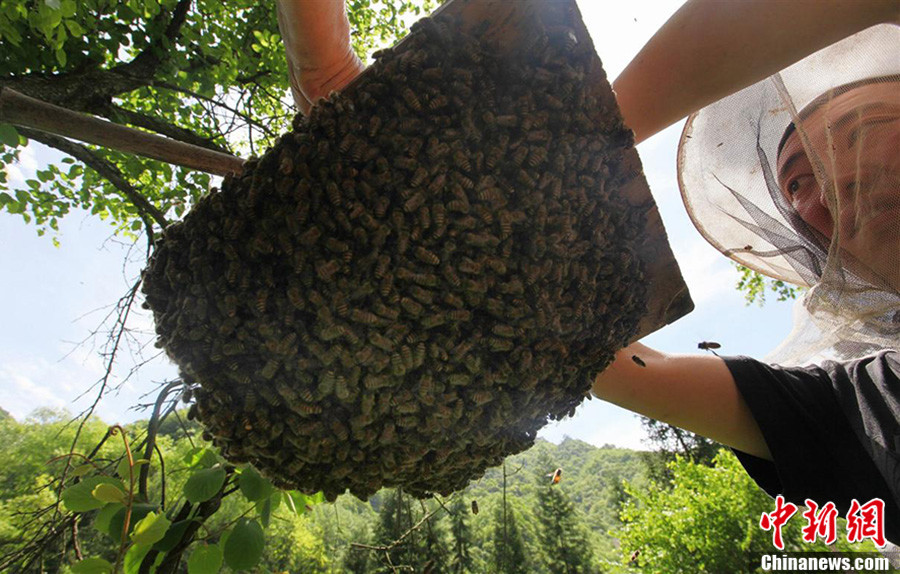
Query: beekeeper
{"points": [[796, 176]]}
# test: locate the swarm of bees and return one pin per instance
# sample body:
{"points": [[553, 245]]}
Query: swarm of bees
{"points": [[416, 278]]}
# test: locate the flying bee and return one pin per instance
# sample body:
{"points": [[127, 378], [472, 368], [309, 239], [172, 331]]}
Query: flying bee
{"points": [[555, 476], [708, 345]]}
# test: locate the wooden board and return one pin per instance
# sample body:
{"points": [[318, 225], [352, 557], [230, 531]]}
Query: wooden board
{"points": [[512, 25]]}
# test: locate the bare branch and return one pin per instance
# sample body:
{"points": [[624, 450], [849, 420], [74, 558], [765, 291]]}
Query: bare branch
{"points": [[399, 541], [172, 131], [103, 167], [214, 102]]}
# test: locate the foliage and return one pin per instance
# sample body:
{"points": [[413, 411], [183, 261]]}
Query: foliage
{"points": [[669, 442], [207, 73], [563, 537], [705, 520], [508, 547], [414, 542], [461, 559], [754, 286]]}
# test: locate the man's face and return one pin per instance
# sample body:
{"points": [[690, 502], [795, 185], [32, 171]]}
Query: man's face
{"points": [[856, 137]]}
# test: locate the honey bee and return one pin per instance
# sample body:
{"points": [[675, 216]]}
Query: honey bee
{"points": [[387, 284], [411, 306], [414, 203], [435, 320], [453, 300], [426, 256], [374, 125], [422, 295], [310, 236], [365, 317], [380, 341], [411, 99], [326, 269]]}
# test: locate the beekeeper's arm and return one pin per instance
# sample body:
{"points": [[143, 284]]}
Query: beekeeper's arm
{"points": [[694, 392], [710, 49], [316, 38]]}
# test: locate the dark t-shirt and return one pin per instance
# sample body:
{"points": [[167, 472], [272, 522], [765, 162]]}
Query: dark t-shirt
{"points": [[833, 431]]}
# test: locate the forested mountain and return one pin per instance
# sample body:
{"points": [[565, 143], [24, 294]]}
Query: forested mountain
{"points": [[607, 513]]}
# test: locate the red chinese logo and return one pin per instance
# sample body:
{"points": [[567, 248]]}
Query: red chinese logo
{"points": [[866, 521], [823, 524], [863, 521], [775, 520]]}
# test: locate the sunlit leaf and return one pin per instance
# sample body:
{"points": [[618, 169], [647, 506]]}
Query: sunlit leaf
{"points": [[204, 484], [150, 529], [79, 497], [244, 546], [92, 566], [205, 560], [108, 493], [253, 485]]}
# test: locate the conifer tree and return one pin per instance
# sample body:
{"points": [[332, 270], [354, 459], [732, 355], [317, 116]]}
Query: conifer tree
{"points": [[508, 548], [562, 536], [461, 560]]}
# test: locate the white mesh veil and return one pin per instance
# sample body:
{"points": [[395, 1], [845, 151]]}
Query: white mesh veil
{"points": [[843, 106]]}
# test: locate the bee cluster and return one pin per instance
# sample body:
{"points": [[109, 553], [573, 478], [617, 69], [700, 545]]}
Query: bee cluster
{"points": [[416, 278]]}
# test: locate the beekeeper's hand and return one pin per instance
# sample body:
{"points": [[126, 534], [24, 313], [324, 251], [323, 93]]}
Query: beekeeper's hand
{"points": [[316, 38]]}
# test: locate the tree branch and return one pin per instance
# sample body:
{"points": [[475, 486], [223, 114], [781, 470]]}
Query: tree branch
{"points": [[214, 102], [101, 166], [114, 112], [145, 64]]}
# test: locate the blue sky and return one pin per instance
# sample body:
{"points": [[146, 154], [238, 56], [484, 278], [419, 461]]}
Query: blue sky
{"points": [[52, 299]]}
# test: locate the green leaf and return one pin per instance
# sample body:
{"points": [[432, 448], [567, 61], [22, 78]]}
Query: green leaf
{"points": [[81, 469], [92, 566], [254, 486], [108, 493], [205, 560], [133, 558], [151, 529], [123, 466], [74, 28], [117, 523], [104, 518], [204, 484], [79, 497], [8, 135], [173, 536], [244, 546], [61, 57], [201, 457]]}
